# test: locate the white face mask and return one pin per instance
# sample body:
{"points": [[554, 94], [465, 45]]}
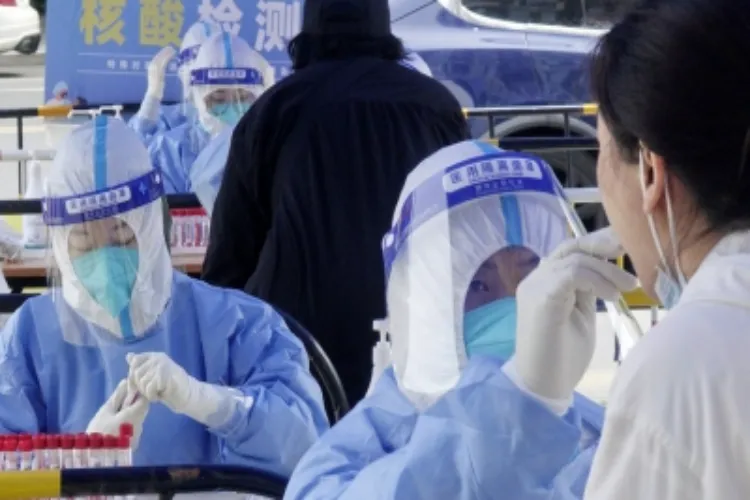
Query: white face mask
{"points": [[669, 284]]}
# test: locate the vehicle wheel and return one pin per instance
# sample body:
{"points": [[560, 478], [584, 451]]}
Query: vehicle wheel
{"points": [[583, 174], [29, 45]]}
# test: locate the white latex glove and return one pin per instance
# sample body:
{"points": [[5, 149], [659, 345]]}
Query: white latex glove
{"points": [[122, 407], [556, 329], [159, 379], [157, 71]]}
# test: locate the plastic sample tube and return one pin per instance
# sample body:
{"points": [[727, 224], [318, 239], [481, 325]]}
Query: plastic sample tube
{"points": [[67, 443], [39, 459], [81, 451], [25, 454], [52, 452], [11, 457]]}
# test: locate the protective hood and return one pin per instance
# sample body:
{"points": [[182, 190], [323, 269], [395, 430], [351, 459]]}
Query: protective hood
{"points": [[102, 177], [227, 77], [469, 205], [347, 17], [191, 44]]}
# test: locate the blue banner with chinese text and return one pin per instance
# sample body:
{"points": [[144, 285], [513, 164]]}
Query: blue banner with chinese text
{"points": [[98, 50]]}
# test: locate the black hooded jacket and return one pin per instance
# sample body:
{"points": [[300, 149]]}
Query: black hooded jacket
{"points": [[312, 179]]}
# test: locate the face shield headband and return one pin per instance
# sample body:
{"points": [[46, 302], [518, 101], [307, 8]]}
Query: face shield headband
{"points": [[103, 203], [480, 177], [226, 77]]}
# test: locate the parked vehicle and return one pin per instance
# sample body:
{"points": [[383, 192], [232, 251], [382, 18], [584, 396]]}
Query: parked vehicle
{"points": [[493, 53], [19, 27], [489, 53]]}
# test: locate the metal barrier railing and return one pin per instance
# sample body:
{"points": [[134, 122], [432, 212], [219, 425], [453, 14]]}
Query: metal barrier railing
{"points": [[163, 481], [45, 111], [568, 143]]}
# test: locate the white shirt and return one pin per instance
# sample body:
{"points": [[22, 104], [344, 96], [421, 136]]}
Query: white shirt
{"points": [[678, 419]]}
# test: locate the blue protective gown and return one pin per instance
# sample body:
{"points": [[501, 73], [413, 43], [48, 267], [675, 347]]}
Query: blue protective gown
{"points": [[219, 336], [174, 152], [471, 444], [170, 116], [208, 169]]}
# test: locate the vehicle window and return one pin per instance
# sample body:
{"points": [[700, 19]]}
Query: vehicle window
{"points": [[603, 12], [556, 12], [588, 13]]}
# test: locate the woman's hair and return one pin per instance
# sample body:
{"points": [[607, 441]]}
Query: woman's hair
{"points": [[306, 48], [675, 75]]}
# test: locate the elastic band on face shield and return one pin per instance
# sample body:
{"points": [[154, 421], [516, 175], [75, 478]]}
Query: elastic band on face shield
{"points": [[188, 55], [226, 76], [104, 203], [479, 177]]}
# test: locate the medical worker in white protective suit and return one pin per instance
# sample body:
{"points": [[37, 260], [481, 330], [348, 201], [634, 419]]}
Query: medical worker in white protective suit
{"points": [[205, 375], [226, 78], [471, 223], [208, 168], [153, 117]]}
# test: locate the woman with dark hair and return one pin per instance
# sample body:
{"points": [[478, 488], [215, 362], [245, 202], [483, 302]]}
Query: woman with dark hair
{"points": [[314, 172], [674, 176]]}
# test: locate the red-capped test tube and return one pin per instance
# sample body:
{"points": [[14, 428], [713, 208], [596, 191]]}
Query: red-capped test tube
{"points": [[67, 443], [52, 452], [124, 457], [39, 460], [96, 450], [126, 437], [11, 455], [25, 453], [110, 450], [81, 451]]}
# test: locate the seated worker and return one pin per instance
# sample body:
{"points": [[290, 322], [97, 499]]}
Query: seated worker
{"points": [[227, 77], [153, 117], [205, 375], [471, 223]]}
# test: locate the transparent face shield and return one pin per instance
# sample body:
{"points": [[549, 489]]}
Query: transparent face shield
{"points": [[461, 243], [489, 326], [185, 61], [223, 96], [108, 266]]}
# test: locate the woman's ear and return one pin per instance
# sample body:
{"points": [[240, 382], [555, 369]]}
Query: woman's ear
{"points": [[654, 179]]}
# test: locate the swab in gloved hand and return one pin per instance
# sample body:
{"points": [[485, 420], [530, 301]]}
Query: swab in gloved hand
{"points": [[556, 329], [122, 407], [158, 378]]}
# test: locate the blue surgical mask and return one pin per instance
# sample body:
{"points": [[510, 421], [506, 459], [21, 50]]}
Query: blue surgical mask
{"points": [[109, 274], [230, 114], [491, 329]]}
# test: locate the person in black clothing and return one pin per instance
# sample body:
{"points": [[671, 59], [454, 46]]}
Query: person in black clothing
{"points": [[314, 172]]}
